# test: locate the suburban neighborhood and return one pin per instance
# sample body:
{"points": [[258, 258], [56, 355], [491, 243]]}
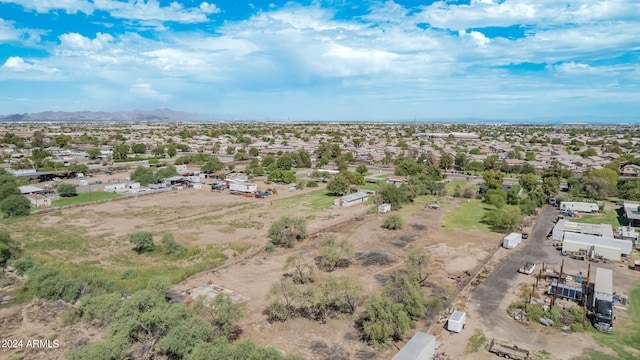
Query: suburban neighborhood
{"points": [[322, 241]]}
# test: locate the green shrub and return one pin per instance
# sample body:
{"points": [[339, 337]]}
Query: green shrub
{"points": [[25, 264], [143, 241], [171, 247], [312, 183], [52, 285], [393, 222], [128, 274], [269, 247]]}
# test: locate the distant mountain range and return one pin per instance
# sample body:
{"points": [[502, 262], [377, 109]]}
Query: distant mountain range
{"points": [[168, 115], [161, 115]]}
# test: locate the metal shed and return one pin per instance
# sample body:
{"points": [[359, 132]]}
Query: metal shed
{"points": [[421, 346]]}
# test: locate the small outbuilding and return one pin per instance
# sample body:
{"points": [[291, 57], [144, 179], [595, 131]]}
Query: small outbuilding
{"points": [[421, 346], [384, 208], [456, 321], [512, 240], [351, 199]]}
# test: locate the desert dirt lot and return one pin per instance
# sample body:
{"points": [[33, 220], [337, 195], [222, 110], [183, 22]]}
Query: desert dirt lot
{"points": [[200, 218]]}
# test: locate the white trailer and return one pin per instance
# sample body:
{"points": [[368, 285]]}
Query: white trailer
{"points": [[603, 286], [512, 240], [584, 207], [456, 321], [237, 186]]}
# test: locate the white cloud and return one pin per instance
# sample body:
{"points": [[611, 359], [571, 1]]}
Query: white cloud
{"points": [[148, 10], [146, 90], [209, 8], [44, 6], [379, 62], [8, 32], [75, 41], [16, 63]]}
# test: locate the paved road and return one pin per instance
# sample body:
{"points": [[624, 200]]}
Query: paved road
{"points": [[489, 294]]}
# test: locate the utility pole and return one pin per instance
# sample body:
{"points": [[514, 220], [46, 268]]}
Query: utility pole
{"points": [[555, 292], [585, 297]]}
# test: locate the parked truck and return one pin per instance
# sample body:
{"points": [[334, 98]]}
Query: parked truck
{"points": [[508, 351], [603, 300]]}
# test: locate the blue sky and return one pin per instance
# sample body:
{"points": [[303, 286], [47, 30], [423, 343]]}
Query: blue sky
{"points": [[324, 60]]}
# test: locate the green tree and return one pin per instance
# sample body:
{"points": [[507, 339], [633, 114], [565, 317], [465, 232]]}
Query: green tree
{"points": [[172, 150], [550, 185], [334, 253], [476, 166], [16, 205], [362, 169], [93, 153], [142, 241], [339, 185], [405, 289], [213, 165], [286, 230], [384, 319], [393, 222], [461, 160], [67, 190], [393, 195], [223, 314], [120, 152], [8, 247], [493, 179], [139, 148], [231, 150], [254, 151], [446, 162], [417, 263], [528, 182], [158, 151], [143, 175], [406, 167], [300, 271], [506, 218], [491, 162], [284, 295]]}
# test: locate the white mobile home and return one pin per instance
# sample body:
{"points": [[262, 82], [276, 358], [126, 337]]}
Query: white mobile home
{"points": [[607, 252], [512, 240], [584, 207], [625, 246]]}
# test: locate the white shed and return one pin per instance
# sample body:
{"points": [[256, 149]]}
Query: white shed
{"points": [[421, 346], [456, 321], [512, 240], [384, 208], [351, 199]]}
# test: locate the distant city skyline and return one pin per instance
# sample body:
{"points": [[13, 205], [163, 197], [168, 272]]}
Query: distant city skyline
{"points": [[325, 60]]}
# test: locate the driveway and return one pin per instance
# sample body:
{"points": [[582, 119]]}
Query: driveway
{"points": [[487, 299]]}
